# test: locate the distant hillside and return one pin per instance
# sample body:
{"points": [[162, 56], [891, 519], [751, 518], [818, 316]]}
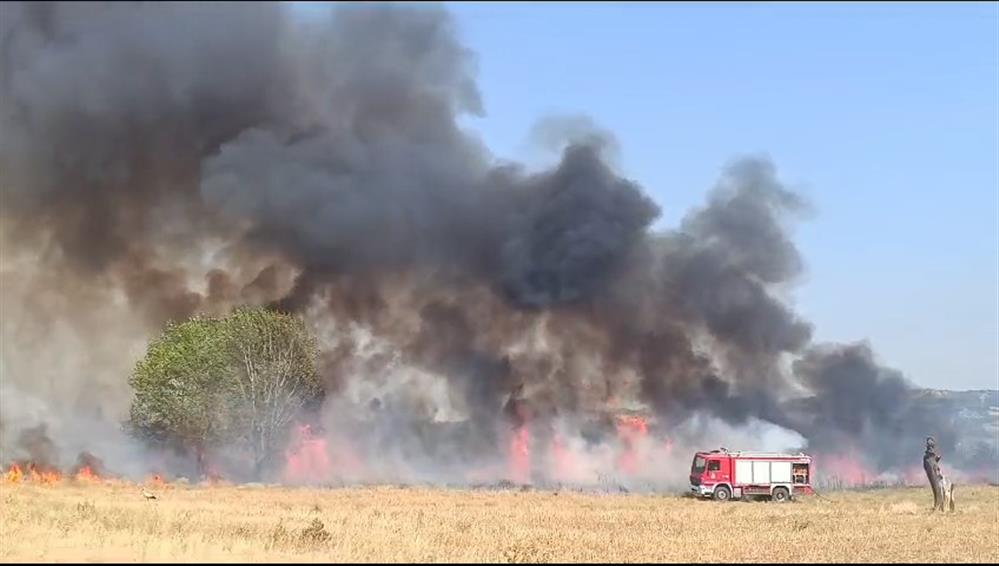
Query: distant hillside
{"points": [[967, 435], [975, 415]]}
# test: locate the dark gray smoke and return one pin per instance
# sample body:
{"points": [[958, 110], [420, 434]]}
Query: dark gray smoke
{"points": [[165, 159], [864, 407]]}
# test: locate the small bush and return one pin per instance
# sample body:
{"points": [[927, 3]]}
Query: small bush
{"points": [[315, 533], [279, 536], [86, 510]]}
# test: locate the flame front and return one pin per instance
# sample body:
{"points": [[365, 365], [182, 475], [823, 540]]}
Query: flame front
{"points": [[14, 474], [308, 460], [631, 430], [86, 474], [844, 469], [47, 477], [520, 455], [562, 458]]}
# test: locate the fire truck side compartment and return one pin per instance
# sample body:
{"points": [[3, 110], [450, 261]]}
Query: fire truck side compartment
{"points": [[780, 472]]}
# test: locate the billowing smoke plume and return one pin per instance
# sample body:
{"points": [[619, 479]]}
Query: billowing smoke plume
{"points": [[161, 160]]}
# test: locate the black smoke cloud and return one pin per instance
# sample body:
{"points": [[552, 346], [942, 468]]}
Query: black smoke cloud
{"points": [[180, 158], [864, 407]]}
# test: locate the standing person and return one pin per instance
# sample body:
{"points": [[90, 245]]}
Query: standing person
{"points": [[931, 464]]}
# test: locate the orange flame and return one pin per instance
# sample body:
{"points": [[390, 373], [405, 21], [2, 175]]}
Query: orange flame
{"points": [[630, 429], [44, 478], [86, 474], [520, 455], [562, 458], [844, 469], [14, 474], [308, 460], [632, 425]]}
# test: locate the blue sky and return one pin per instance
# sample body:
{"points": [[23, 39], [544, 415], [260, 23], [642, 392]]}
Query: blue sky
{"points": [[886, 116]]}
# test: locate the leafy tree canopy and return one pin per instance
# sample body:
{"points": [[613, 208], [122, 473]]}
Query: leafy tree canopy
{"points": [[237, 381]]}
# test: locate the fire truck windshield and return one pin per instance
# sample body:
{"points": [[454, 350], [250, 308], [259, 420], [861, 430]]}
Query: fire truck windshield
{"points": [[698, 466]]}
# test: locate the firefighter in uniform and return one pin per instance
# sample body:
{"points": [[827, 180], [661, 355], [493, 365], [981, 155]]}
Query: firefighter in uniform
{"points": [[931, 464]]}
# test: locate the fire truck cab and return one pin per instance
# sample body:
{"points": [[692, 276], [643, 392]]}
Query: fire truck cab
{"points": [[725, 475]]}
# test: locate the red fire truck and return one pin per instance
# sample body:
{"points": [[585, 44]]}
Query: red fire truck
{"points": [[724, 475]]}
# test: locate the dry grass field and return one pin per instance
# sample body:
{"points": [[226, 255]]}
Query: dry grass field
{"points": [[116, 523]]}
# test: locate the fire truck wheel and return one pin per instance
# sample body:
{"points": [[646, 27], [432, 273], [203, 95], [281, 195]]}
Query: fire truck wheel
{"points": [[722, 493], [781, 495]]}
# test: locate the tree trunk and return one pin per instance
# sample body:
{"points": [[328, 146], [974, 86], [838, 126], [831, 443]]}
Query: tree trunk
{"points": [[930, 466], [199, 452]]}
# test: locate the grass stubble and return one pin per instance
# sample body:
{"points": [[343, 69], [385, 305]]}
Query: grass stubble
{"points": [[104, 522]]}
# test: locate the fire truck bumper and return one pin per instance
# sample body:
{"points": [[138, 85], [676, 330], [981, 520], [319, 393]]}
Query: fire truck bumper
{"points": [[701, 490]]}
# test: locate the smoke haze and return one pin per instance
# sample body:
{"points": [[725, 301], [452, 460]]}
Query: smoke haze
{"points": [[162, 160]]}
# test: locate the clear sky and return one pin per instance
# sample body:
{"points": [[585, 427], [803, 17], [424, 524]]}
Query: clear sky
{"points": [[886, 116]]}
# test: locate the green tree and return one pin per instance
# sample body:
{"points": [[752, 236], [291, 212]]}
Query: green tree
{"points": [[179, 385], [273, 361], [236, 381]]}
